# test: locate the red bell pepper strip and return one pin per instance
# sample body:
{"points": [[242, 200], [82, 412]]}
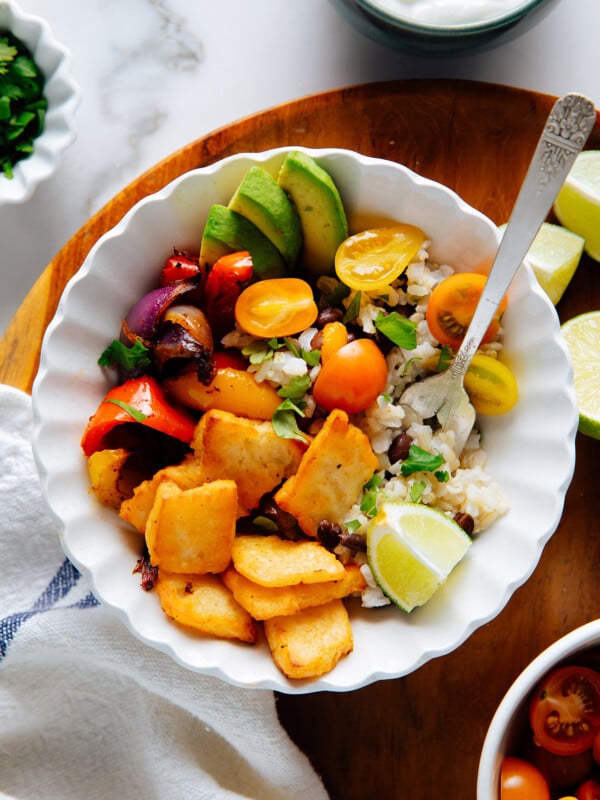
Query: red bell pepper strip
{"points": [[139, 400]]}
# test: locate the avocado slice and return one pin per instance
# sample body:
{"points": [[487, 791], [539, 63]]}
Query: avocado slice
{"points": [[320, 207], [260, 199], [226, 231]]}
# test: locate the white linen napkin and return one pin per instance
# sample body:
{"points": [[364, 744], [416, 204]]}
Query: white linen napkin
{"points": [[87, 711]]}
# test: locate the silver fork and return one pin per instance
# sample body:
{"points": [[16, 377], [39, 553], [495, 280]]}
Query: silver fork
{"points": [[565, 133]]}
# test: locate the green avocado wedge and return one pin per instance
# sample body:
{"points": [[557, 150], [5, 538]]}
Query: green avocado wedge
{"points": [[320, 207], [261, 200], [226, 231]]}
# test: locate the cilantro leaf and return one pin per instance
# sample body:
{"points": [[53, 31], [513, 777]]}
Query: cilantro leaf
{"points": [[420, 460], [353, 309], [284, 421], [445, 358], [129, 357], [296, 388], [398, 329]]}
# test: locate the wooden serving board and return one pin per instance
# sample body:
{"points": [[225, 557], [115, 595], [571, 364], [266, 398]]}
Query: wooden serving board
{"points": [[419, 736]]}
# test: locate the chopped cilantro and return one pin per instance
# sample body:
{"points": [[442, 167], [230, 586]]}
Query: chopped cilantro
{"points": [[368, 502], [129, 357], [420, 460], [312, 357], [258, 351], [445, 358], [398, 329], [442, 475], [22, 102], [138, 416], [416, 491], [352, 525]]}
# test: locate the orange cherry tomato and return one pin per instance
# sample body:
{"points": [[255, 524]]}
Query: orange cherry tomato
{"points": [[565, 710], [276, 307], [352, 378], [589, 790], [520, 780], [451, 307], [335, 335]]}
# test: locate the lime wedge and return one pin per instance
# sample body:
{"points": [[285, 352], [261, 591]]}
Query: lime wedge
{"points": [[554, 256], [412, 549], [582, 335], [577, 205]]}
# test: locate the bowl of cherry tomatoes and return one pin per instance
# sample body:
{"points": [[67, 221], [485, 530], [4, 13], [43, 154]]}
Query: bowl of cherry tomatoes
{"points": [[544, 740]]}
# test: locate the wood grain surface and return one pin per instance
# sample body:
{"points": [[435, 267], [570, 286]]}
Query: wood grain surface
{"points": [[419, 737]]}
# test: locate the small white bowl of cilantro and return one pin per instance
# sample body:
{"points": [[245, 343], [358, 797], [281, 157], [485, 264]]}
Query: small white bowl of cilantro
{"points": [[38, 98]]}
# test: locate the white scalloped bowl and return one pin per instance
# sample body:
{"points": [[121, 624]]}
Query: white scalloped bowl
{"points": [[511, 717], [388, 644], [62, 94]]}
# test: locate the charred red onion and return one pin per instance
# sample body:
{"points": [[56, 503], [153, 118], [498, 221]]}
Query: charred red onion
{"points": [[143, 321]]}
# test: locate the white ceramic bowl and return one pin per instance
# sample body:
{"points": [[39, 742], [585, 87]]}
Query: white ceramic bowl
{"points": [[125, 263], [511, 717], [441, 27], [61, 92]]}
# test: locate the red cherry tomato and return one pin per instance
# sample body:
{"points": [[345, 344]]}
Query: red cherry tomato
{"points": [[352, 378], [451, 307], [225, 281], [276, 307], [179, 267], [565, 710], [520, 780], [589, 790]]}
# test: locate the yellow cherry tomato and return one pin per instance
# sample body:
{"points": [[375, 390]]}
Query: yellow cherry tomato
{"points": [[276, 307], [371, 260], [491, 386]]}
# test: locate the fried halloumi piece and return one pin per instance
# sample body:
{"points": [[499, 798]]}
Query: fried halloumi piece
{"points": [[246, 451], [192, 530], [272, 561], [186, 475], [265, 602], [311, 642], [203, 602], [329, 480]]}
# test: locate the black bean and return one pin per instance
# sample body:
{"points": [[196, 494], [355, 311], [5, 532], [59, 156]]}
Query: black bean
{"points": [[329, 533], [328, 314], [466, 522], [398, 450]]}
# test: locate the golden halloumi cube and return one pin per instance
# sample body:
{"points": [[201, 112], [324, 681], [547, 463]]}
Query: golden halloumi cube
{"points": [[186, 475], [246, 451], [265, 602], [310, 643], [192, 530], [329, 480], [272, 561], [204, 603]]}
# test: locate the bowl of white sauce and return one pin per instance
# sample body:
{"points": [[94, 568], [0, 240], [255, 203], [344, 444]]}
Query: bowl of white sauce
{"points": [[439, 27]]}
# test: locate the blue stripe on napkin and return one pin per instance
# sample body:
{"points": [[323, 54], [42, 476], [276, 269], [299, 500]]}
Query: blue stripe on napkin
{"points": [[58, 588]]}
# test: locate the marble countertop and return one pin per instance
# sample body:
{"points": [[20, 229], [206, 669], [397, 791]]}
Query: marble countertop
{"points": [[157, 74]]}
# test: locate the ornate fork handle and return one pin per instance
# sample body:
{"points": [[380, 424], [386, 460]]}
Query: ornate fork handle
{"points": [[565, 133]]}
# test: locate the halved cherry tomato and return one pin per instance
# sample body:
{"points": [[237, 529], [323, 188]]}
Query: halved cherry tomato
{"points": [[491, 386], [226, 279], [372, 259], [148, 402], [520, 780], [451, 307], [565, 710], [180, 267], [276, 307], [352, 378]]}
